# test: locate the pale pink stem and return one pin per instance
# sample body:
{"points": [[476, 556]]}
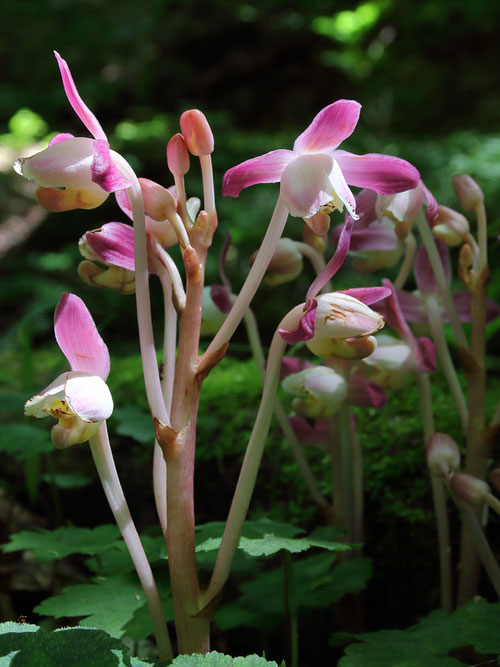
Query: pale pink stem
{"points": [[317, 261], [181, 201], [167, 381], [282, 417], [173, 273], [144, 320], [208, 184], [437, 331], [254, 278], [437, 267], [251, 462], [438, 497], [407, 264], [103, 458]]}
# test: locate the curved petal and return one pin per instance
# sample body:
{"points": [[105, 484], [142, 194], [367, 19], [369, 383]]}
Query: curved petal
{"points": [[265, 168], [69, 199], [290, 365], [385, 174], [412, 306], [368, 295], [425, 351], [306, 327], [61, 137], [335, 262], [329, 128], [104, 171], [65, 164], [306, 184], [365, 393], [462, 302], [39, 405], [77, 336], [221, 297], [113, 244], [88, 396], [79, 106], [431, 202], [424, 273]]}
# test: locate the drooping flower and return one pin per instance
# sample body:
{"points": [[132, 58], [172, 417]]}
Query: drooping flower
{"points": [[74, 172], [403, 207], [286, 264], [315, 175], [320, 390], [79, 399]]}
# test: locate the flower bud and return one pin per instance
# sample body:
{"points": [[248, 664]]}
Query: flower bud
{"points": [[320, 389], [442, 451], [285, 265], [211, 315], [390, 364], [369, 261], [450, 226], [159, 203], [177, 155], [468, 191], [197, 133], [469, 488], [402, 206], [317, 241], [115, 277], [344, 348]]}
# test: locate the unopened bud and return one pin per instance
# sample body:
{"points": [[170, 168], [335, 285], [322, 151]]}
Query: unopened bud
{"points": [[159, 203], [317, 241], [401, 207], [285, 265], [115, 277], [442, 452], [450, 226], [469, 488], [495, 479], [369, 261], [319, 223], [340, 315], [177, 155], [390, 364], [321, 391], [197, 133], [468, 191]]}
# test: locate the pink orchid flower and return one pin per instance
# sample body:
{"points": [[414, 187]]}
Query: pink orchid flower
{"points": [[412, 304], [79, 399], [315, 175], [74, 172]]}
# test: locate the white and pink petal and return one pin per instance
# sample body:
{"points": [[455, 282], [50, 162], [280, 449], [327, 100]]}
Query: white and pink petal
{"points": [[88, 396], [329, 127], [385, 174], [266, 168]]}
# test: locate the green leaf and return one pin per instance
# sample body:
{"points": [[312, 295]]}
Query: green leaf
{"points": [[319, 582], [265, 538], [430, 641], [67, 480], [135, 424], [107, 604], [51, 545], [215, 659], [24, 440], [24, 645]]}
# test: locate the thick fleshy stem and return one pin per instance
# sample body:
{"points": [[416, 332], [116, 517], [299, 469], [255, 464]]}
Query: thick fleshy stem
{"points": [[317, 261], [251, 462], [437, 267], [254, 278], [103, 458], [482, 234], [438, 496], [406, 266], [181, 201], [168, 264], [144, 320], [284, 422], [437, 331]]}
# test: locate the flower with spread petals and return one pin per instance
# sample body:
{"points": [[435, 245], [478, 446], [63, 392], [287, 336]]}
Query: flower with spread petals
{"points": [[79, 399], [74, 172], [315, 175]]}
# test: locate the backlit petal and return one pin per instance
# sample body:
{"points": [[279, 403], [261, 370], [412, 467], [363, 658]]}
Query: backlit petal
{"points": [[104, 171], [306, 184], [113, 243], [78, 338], [266, 168], [79, 106], [69, 199], [330, 127], [39, 405], [88, 396], [383, 173]]}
